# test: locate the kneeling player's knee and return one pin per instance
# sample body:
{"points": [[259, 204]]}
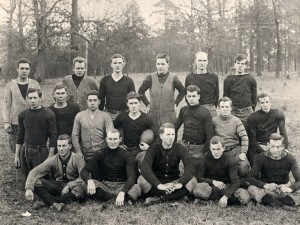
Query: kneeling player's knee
{"points": [[202, 190], [191, 184], [144, 184], [135, 192]]}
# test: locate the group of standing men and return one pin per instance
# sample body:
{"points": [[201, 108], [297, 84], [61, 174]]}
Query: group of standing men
{"points": [[214, 148]]}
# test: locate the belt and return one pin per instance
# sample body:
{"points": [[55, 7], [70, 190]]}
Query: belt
{"points": [[243, 109], [191, 143], [35, 146]]}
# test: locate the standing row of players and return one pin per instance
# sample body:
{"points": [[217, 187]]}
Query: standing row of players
{"points": [[90, 132]]}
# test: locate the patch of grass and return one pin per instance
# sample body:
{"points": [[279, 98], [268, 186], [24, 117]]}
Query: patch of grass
{"points": [[13, 203]]}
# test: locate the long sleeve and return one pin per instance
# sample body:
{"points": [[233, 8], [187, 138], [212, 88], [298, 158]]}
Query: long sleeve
{"points": [[108, 123], [282, 129], [217, 93], [226, 88], [180, 88], [39, 172], [254, 174], [146, 168], [200, 174], [209, 130], [76, 133], [234, 179], [178, 121], [21, 129], [101, 95], [241, 131], [189, 171], [147, 83], [7, 102], [251, 131], [254, 94], [52, 131], [296, 174], [130, 170]]}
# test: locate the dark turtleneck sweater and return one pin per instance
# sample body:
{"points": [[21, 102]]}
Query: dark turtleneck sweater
{"points": [[197, 124]]}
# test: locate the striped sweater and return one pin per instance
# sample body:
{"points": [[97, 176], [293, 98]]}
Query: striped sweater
{"points": [[231, 129]]}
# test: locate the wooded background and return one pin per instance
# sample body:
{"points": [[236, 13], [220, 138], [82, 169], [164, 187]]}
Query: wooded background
{"points": [[51, 33]]}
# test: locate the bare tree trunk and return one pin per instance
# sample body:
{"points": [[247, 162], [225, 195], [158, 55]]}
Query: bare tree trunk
{"points": [[259, 46], [21, 28], [279, 48], [74, 31]]}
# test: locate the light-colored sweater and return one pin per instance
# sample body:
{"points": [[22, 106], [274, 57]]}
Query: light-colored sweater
{"points": [[79, 95], [231, 129], [54, 165], [13, 102], [89, 134]]}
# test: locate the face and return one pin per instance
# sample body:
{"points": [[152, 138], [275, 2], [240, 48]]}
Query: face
{"points": [[34, 100], [275, 147], [63, 148], [168, 137], [225, 108], [133, 105], [93, 102], [201, 61], [113, 140], [162, 66], [192, 98], [60, 95], [23, 70], [240, 66], [216, 150], [79, 69], [265, 104], [117, 64]]}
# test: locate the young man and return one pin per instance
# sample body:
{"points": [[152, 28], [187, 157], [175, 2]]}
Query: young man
{"points": [[65, 186], [36, 125], [117, 173], [162, 85], [90, 128], [269, 175], [217, 177], [232, 130], [160, 179], [241, 88], [133, 124], [261, 124], [114, 89], [79, 84], [208, 83], [65, 112], [197, 121], [15, 100]]}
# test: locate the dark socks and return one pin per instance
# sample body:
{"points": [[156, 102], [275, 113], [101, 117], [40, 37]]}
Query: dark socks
{"points": [[102, 195], [177, 194], [67, 197], [45, 195]]}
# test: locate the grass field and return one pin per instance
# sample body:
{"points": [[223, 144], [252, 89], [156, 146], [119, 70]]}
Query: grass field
{"points": [[285, 95]]}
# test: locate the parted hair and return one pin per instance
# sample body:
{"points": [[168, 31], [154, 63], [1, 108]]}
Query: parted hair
{"points": [[114, 130], [92, 92], [132, 95], [32, 90], [276, 137], [165, 125], [262, 95], [192, 88], [225, 99], [60, 85], [23, 60], [79, 60], [65, 137], [118, 56], [216, 140], [240, 57], [163, 56]]}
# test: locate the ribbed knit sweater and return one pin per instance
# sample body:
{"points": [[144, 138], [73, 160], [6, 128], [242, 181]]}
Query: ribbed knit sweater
{"points": [[231, 129]]}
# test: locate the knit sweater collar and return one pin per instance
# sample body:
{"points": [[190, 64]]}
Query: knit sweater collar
{"points": [[223, 118]]}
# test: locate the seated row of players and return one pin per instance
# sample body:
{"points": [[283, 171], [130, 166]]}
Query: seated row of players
{"points": [[215, 177]]}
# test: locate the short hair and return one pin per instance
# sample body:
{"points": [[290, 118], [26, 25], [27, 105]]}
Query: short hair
{"points": [[32, 90], [200, 53], [79, 60], [165, 125], [192, 88], [216, 140], [132, 95], [118, 56], [262, 95], [163, 56], [23, 60], [114, 130], [65, 137], [91, 92], [276, 137], [240, 57], [225, 99], [60, 85]]}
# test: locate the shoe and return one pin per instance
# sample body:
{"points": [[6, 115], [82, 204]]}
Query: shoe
{"points": [[152, 200], [38, 204], [58, 206], [267, 199], [287, 200]]}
